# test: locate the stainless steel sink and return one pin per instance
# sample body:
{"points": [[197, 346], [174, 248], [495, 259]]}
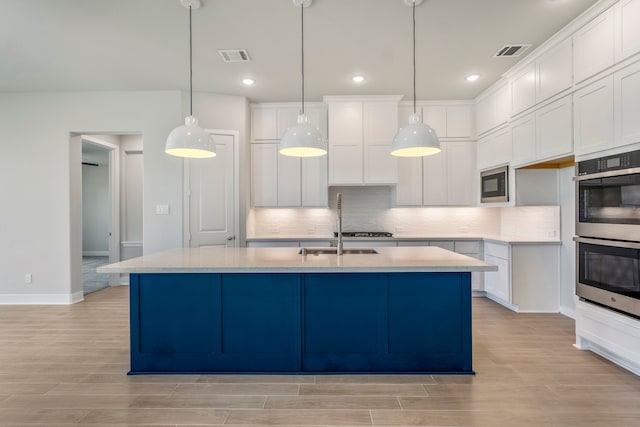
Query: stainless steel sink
{"points": [[334, 251]]}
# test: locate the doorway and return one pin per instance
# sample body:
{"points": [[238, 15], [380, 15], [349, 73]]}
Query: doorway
{"points": [[96, 214], [106, 208]]}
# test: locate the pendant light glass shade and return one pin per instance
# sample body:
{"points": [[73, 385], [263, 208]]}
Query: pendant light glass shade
{"points": [[190, 140], [415, 139], [303, 140]]}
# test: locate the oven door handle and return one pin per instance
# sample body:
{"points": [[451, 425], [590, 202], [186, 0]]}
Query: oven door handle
{"points": [[607, 174], [614, 243]]}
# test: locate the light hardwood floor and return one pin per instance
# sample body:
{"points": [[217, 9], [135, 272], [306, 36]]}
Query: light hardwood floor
{"points": [[66, 366]]}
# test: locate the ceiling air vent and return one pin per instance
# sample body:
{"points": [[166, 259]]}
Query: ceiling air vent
{"points": [[234, 55], [511, 50]]}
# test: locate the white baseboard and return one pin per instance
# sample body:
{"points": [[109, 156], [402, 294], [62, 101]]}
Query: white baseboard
{"points": [[627, 364], [569, 312], [502, 302], [41, 299], [478, 294], [95, 253]]}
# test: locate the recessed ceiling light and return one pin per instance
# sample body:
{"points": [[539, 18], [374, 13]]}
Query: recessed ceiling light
{"points": [[248, 81], [358, 78], [472, 77]]}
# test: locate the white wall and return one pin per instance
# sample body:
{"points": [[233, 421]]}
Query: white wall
{"points": [[95, 210], [38, 177]]}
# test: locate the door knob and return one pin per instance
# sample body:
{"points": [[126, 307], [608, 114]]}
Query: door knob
{"points": [[230, 238]]}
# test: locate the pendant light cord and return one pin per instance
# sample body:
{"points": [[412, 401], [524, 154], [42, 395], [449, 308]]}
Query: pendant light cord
{"points": [[414, 57], [302, 49], [190, 67]]}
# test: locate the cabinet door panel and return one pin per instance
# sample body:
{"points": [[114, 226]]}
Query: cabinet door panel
{"points": [[627, 29], [434, 174], [627, 105], [460, 173], [593, 117], [458, 121], [264, 124], [314, 181], [345, 165], [344, 118], [287, 117], [497, 282], [554, 133], [289, 181], [523, 90], [501, 148], [555, 71], [409, 188], [434, 116], [523, 140], [593, 46], [380, 166], [264, 174]]}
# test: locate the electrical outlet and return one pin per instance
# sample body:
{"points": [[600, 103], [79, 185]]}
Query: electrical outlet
{"points": [[27, 278]]}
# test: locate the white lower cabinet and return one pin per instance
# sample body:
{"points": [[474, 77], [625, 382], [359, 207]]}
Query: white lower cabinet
{"points": [[471, 248], [527, 279], [369, 243]]}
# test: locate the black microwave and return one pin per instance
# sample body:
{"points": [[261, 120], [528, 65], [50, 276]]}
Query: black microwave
{"points": [[494, 185]]}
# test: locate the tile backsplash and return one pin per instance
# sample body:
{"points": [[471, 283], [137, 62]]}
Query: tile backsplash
{"points": [[370, 209]]}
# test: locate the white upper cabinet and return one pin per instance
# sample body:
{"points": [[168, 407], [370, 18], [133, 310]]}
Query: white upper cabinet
{"points": [[523, 89], [523, 140], [593, 120], [380, 127], [593, 46], [284, 181], [264, 124], [434, 116], [270, 121], [264, 175], [554, 69], [627, 16], [443, 179], [494, 110], [554, 133], [361, 131], [458, 119], [627, 105], [494, 149]]}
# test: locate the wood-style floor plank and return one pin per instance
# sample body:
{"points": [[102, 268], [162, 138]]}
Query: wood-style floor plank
{"points": [[64, 366]]}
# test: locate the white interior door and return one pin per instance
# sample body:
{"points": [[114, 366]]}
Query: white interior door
{"points": [[211, 190]]}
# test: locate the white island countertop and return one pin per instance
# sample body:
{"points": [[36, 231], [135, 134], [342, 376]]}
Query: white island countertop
{"points": [[288, 260]]}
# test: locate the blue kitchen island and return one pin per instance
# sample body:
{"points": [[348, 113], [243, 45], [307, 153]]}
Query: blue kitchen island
{"points": [[259, 310]]}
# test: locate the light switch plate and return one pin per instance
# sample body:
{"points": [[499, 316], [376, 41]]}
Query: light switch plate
{"points": [[162, 209]]}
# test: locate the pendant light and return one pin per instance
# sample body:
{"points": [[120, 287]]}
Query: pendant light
{"points": [[190, 140], [416, 138], [303, 139]]}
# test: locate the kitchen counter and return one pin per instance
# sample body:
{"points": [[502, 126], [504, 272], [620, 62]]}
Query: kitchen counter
{"points": [[260, 310], [287, 260], [505, 239]]}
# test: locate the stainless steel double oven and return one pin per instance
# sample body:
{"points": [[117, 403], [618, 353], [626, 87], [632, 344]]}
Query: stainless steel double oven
{"points": [[608, 231]]}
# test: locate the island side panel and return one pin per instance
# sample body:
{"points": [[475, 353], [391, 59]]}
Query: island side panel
{"points": [[215, 323], [395, 322], [430, 322]]}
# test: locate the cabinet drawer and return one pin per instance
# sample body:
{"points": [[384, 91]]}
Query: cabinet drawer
{"points": [[498, 251], [463, 247]]}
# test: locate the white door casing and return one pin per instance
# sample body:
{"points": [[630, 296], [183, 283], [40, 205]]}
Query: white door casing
{"points": [[211, 195]]}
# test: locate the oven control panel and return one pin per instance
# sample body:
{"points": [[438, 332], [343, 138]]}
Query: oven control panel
{"points": [[610, 163]]}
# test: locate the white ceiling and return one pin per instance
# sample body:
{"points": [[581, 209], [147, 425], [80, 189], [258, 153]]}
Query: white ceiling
{"points": [[61, 45]]}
